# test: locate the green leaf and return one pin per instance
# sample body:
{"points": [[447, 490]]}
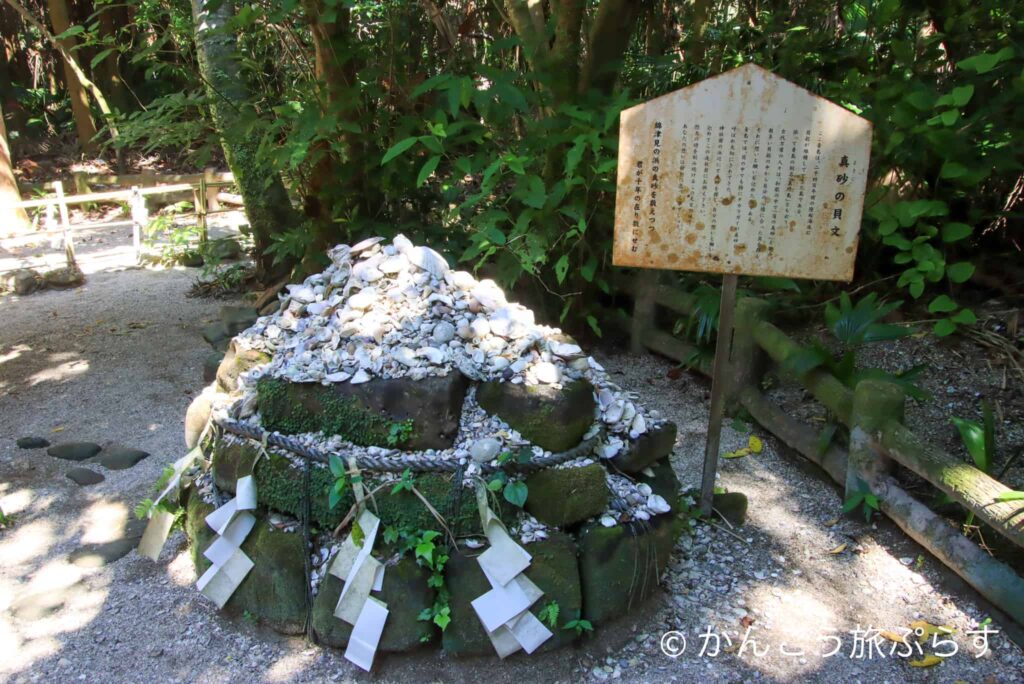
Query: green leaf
{"points": [[855, 500], [952, 232], [916, 289], [427, 169], [944, 328], [973, 436], [562, 268], [334, 498], [942, 304], [960, 272], [962, 95], [515, 493], [1011, 496], [985, 62], [588, 269], [398, 148], [100, 57], [71, 32], [592, 322], [965, 317], [443, 619], [534, 194], [950, 117], [337, 467], [952, 169]]}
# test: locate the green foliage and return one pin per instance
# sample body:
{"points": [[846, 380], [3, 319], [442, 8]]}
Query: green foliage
{"points": [[549, 613], [514, 491], [341, 481], [980, 441], [579, 625], [866, 499], [6, 520]]}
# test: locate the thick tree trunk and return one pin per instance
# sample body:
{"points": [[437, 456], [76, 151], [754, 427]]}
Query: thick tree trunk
{"points": [[12, 220], [108, 72], [84, 124], [609, 37], [266, 200]]}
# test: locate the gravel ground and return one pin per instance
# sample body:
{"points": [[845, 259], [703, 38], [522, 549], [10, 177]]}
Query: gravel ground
{"points": [[118, 361]]}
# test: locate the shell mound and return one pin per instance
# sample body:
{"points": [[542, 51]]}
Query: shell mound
{"points": [[390, 353]]}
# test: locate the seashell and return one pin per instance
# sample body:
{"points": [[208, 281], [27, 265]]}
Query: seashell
{"points": [[644, 489], [480, 327], [595, 365], [367, 271], [402, 244], [638, 427], [363, 299], [393, 264], [547, 373], [641, 515], [301, 293], [464, 330], [610, 449], [431, 354], [657, 504], [628, 411], [340, 376], [364, 245], [614, 412], [499, 363], [608, 521], [460, 280], [316, 308], [488, 294], [605, 397], [429, 260], [404, 356], [360, 377], [564, 350]]}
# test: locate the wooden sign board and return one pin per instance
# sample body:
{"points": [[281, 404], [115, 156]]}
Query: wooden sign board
{"points": [[743, 173]]}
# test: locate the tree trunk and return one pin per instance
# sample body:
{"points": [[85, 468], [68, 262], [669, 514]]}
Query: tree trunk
{"points": [[12, 220], [84, 124], [266, 200], [609, 38], [108, 71]]}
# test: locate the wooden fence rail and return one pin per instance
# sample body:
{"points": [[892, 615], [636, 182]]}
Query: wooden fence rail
{"points": [[873, 413]]}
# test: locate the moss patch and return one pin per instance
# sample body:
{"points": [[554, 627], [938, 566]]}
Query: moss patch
{"points": [[555, 419], [565, 496], [555, 571]]}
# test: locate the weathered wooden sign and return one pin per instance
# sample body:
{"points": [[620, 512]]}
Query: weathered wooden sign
{"points": [[742, 173]]}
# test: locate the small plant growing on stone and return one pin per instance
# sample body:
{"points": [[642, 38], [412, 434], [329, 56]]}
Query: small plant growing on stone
{"points": [[432, 557], [514, 491], [869, 501], [579, 625], [549, 613], [405, 484], [340, 481], [147, 508], [399, 432], [5, 520]]}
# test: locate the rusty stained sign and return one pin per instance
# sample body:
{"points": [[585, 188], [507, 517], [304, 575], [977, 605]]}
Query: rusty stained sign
{"points": [[743, 173]]}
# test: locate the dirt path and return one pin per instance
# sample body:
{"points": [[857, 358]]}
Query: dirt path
{"points": [[118, 361]]}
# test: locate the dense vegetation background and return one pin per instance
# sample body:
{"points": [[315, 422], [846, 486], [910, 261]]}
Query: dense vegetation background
{"points": [[490, 128]]}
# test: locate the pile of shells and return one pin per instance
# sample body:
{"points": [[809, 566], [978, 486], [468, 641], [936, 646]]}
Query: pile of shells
{"points": [[394, 310]]}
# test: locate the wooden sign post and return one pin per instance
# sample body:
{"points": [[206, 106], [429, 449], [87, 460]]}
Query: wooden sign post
{"points": [[741, 174]]}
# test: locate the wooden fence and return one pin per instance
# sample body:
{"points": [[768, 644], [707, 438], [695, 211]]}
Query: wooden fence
{"points": [[204, 188], [873, 412]]}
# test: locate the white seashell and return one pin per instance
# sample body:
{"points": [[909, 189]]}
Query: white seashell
{"points": [[429, 260], [644, 489], [657, 504], [461, 280], [367, 271], [360, 377], [642, 515], [443, 332], [432, 354], [464, 330], [547, 373], [363, 299], [605, 397], [595, 365], [404, 356], [628, 411], [564, 350], [301, 293], [638, 427], [480, 327], [402, 244], [316, 308], [614, 412], [611, 449], [499, 363], [488, 294], [608, 521], [519, 365], [340, 376], [394, 264], [364, 245]]}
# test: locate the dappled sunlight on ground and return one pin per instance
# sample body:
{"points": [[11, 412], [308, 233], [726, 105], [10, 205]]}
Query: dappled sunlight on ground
{"points": [[28, 542], [102, 521], [67, 365]]}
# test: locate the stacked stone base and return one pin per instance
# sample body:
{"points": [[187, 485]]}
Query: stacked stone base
{"points": [[594, 572]]}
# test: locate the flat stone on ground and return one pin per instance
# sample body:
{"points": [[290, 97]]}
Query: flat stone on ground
{"points": [[32, 443], [105, 553], [120, 458], [84, 476], [74, 451]]}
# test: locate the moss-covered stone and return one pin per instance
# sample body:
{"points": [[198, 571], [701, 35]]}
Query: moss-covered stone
{"points": [[409, 414], [555, 571], [216, 335], [235, 362], [647, 448], [552, 418], [237, 318], [565, 496], [406, 594], [465, 636], [620, 566], [732, 506], [280, 486], [274, 590], [663, 482], [210, 365]]}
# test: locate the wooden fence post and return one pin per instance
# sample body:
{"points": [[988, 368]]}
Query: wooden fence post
{"points": [[644, 286], [202, 202], [140, 216], [875, 402], [65, 224]]}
